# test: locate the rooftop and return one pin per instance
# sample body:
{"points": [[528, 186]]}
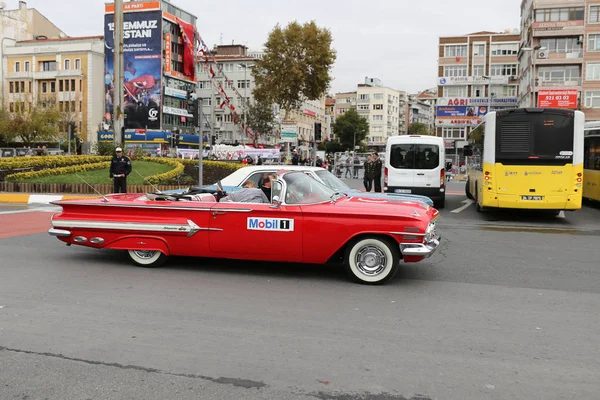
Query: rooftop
{"points": [[66, 39]]}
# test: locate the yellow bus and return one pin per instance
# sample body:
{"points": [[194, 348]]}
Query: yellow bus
{"points": [[527, 158], [591, 161]]}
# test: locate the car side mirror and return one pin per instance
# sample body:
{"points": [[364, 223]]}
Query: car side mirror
{"points": [[275, 202], [467, 151], [276, 191]]}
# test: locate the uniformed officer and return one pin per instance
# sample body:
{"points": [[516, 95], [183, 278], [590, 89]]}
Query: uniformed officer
{"points": [[120, 167]]}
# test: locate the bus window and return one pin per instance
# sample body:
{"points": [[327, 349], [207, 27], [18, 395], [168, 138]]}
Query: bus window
{"points": [[592, 154]]}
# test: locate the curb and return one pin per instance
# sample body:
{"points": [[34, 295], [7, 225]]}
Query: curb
{"points": [[26, 198]]}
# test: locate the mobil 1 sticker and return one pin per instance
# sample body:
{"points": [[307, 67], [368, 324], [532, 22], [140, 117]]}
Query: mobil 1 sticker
{"points": [[270, 224]]}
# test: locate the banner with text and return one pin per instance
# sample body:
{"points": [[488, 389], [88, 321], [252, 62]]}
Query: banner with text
{"points": [[459, 115], [478, 101], [142, 65], [558, 98]]}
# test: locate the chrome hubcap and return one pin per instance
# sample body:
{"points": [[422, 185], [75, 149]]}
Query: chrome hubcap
{"points": [[370, 260], [145, 254]]}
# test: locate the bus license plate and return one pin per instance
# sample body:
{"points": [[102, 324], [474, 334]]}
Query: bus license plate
{"points": [[403, 191], [534, 198]]}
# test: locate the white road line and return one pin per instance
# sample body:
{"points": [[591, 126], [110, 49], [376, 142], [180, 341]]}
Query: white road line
{"points": [[53, 210], [466, 203]]}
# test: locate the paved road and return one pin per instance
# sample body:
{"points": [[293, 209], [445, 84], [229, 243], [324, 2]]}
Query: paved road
{"points": [[502, 312]]}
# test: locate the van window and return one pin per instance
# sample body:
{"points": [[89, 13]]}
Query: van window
{"points": [[414, 156]]}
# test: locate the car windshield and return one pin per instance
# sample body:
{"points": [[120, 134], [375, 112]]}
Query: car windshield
{"points": [[331, 181], [302, 189]]}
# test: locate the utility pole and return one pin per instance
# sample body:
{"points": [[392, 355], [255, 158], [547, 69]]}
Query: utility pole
{"points": [[213, 116], [118, 117]]}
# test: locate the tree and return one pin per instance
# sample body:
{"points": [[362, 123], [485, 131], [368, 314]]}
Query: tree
{"points": [[7, 135], [350, 128], [418, 128], [296, 66], [260, 119], [40, 124]]}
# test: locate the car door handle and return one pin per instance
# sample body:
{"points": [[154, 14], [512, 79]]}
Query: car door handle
{"points": [[420, 174], [215, 213]]}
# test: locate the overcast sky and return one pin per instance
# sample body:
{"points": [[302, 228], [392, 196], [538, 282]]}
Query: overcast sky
{"points": [[394, 40]]}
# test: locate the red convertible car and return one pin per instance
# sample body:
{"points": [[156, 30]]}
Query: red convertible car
{"points": [[305, 222]]}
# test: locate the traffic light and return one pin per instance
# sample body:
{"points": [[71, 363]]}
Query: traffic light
{"points": [[188, 96], [196, 112], [317, 131], [176, 138]]}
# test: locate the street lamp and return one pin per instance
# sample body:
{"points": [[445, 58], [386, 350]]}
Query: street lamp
{"points": [[532, 72]]}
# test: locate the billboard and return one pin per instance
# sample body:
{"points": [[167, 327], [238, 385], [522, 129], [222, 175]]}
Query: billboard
{"points": [[477, 101], [142, 65], [557, 98], [472, 80], [459, 115]]}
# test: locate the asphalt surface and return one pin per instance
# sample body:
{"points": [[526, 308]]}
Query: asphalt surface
{"points": [[507, 309]]}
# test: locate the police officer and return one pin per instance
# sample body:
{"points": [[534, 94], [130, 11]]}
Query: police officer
{"points": [[120, 167]]}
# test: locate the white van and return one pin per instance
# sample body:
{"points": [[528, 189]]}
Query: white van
{"points": [[416, 164]]}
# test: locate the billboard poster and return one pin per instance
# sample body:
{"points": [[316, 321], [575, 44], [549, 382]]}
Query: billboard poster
{"points": [[142, 65], [558, 98], [459, 115]]}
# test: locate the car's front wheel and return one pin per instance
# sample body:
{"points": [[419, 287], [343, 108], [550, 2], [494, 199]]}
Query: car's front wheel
{"points": [[147, 258], [372, 260]]}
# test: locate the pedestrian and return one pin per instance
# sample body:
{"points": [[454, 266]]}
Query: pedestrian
{"points": [[356, 166], [369, 174], [120, 168], [377, 167]]}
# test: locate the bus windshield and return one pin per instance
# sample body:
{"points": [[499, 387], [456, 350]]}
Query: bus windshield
{"points": [[542, 137]]}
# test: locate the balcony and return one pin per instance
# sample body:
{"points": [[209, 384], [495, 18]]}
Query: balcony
{"points": [[69, 73], [569, 82], [558, 28], [45, 75], [21, 75], [367, 111]]}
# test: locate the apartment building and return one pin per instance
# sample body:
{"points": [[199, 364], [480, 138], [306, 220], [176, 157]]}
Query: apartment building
{"points": [[403, 113], [68, 72], [476, 72], [329, 117], [344, 102], [560, 55]]}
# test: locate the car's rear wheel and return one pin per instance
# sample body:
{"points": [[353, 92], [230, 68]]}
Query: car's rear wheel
{"points": [[147, 258], [372, 260]]}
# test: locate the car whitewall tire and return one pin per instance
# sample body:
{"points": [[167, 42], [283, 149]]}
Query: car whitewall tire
{"points": [[148, 259], [372, 261]]}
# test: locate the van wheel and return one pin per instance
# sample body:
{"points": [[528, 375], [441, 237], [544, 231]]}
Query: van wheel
{"points": [[468, 190], [372, 260]]}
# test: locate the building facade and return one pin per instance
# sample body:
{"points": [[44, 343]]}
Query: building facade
{"points": [[67, 72], [380, 105], [403, 113], [476, 72], [160, 68], [560, 55], [344, 102], [329, 118]]}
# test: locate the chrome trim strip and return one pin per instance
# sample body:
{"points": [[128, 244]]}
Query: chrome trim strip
{"points": [[59, 232], [190, 228], [138, 206], [420, 249], [241, 210], [408, 234]]}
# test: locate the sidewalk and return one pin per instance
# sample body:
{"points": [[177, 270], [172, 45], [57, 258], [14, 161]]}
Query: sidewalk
{"points": [[27, 198]]}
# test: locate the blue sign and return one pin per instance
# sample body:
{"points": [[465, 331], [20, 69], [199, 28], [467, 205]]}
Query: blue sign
{"points": [[460, 111], [158, 137], [142, 68]]}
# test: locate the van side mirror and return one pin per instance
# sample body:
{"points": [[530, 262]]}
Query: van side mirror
{"points": [[467, 151]]}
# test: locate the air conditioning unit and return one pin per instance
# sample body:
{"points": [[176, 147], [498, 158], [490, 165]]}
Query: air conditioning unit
{"points": [[543, 54]]}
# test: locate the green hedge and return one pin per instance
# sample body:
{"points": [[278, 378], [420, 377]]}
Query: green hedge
{"points": [[57, 171]]}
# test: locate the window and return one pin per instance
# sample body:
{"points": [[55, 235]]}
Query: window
{"points": [[44, 87], [455, 91], [455, 50], [22, 86], [73, 85], [560, 14], [414, 156], [594, 15], [12, 87], [67, 64], [60, 86], [592, 71], [377, 117], [26, 66], [478, 70], [559, 74], [504, 91], [363, 107], [593, 43], [453, 133], [48, 66], [377, 106], [17, 66], [562, 45], [503, 70], [456, 70], [204, 84], [478, 91], [592, 153], [243, 84], [364, 96], [227, 67], [505, 49], [592, 99], [77, 63], [479, 50], [53, 87], [378, 96]]}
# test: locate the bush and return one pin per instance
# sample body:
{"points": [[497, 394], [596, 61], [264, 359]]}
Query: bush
{"points": [[106, 148], [212, 171], [166, 177], [49, 161], [57, 171]]}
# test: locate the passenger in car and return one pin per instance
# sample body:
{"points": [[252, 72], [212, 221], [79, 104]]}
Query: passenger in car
{"points": [[248, 194], [265, 184]]}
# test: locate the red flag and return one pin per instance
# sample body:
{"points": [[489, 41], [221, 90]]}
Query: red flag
{"points": [[188, 33]]}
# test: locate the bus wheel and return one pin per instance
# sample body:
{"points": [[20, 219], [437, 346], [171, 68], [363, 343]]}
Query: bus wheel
{"points": [[478, 208], [468, 191]]}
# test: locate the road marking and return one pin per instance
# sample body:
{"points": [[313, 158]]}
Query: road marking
{"points": [[466, 203], [30, 210]]}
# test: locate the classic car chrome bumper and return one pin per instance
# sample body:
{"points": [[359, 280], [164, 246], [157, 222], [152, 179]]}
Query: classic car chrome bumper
{"points": [[420, 249], [59, 232]]}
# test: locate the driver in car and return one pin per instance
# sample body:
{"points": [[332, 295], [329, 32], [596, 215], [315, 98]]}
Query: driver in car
{"points": [[248, 194]]}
